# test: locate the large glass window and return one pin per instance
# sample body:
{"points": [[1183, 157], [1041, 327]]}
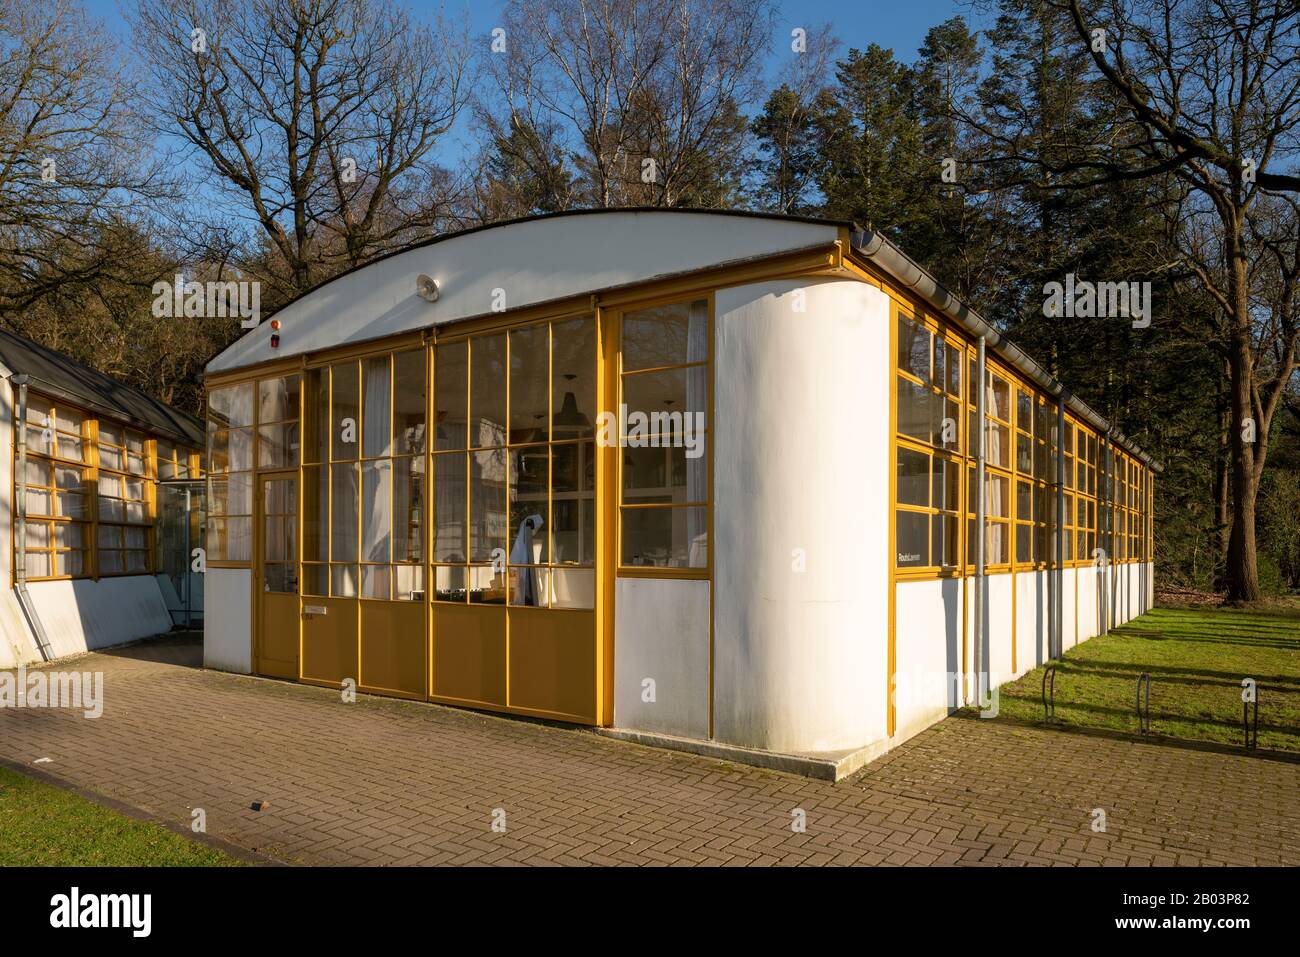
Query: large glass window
{"points": [[57, 494], [392, 476], [663, 437], [91, 491], [514, 467], [230, 473], [928, 466]]}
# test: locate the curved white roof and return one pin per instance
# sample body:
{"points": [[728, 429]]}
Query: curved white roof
{"points": [[524, 262]]}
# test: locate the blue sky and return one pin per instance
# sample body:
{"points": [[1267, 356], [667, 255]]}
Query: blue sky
{"points": [[897, 24]]}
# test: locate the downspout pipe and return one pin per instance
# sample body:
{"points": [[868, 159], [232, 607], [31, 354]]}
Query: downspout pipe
{"points": [[1107, 546], [20, 512], [981, 447], [1061, 531]]}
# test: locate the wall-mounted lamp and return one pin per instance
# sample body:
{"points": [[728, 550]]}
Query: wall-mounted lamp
{"points": [[426, 287]]}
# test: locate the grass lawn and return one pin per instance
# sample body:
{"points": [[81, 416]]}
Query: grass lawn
{"points": [[1197, 658], [44, 826]]}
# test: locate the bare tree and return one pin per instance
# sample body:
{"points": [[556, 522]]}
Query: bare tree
{"points": [[646, 97], [1207, 92], [317, 116], [70, 164]]}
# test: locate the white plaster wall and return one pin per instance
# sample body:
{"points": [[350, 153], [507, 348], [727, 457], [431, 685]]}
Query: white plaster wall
{"points": [[15, 648], [801, 461], [1086, 577], [997, 633], [928, 656], [1033, 619], [227, 620], [661, 632], [532, 262], [82, 615], [998, 627], [1069, 630]]}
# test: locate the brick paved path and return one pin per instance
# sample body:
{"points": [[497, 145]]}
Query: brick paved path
{"points": [[388, 782]]}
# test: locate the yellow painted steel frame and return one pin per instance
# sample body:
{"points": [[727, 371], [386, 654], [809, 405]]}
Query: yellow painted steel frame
{"points": [[607, 308], [389, 667], [905, 305], [89, 467]]}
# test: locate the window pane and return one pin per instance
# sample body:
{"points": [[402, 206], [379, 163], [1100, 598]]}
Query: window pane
{"points": [[39, 502], [346, 409], [38, 472], [376, 581], [343, 581], [315, 515], [665, 537], [228, 407], [376, 511], [912, 539], [450, 382], [40, 440], [343, 512], [230, 539], [530, 586], [377, 383], [528, 482], [913, 349], [943, 540], [277, 445], [919, 411], [487, 504], [38, 564], [70, 563], [945, 482], [573, 588], [315, 579], [277, 399], [658, 402], [449, 508], [529, 384], [408, 582], [676, 475], [487, 400], [316, 424], [71, 447], [40, 410], [449, 583], [408, 509], [487, 585], [913, 477], [665, 335], [409, 401], [573, 503], [573, 369]]}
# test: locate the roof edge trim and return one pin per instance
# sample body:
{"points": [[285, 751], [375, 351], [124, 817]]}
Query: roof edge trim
{"points": [[878, 249]]}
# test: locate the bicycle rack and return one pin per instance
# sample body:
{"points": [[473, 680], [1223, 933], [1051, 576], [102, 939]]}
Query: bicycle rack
{"points": [[1144, 713], [1049, 694], [1251, 729]]}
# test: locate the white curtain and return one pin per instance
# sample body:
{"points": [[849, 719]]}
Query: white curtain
{"points": [[697, 398], [993, 507]]}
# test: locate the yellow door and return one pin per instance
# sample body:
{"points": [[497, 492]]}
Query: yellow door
{"points": [[275, 581]]}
